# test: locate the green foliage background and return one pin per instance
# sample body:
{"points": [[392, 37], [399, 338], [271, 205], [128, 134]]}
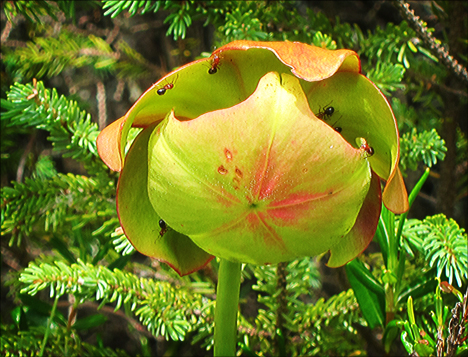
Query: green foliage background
{"points": [[73, 285]]}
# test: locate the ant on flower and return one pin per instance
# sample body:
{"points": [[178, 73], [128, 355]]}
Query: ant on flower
{"points": [[166, 87], [214, 65], [163, 227], [326, 113]]}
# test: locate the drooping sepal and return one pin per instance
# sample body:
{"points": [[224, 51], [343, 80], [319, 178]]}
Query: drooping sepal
{"points": [[140, 221]]}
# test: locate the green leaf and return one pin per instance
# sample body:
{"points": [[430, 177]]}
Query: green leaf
{"points": [[63, 249], [423, 349], [391, 332], [411, 46], [382, 237], [120, 262], [401, 52], [368, 291], [407, 343], [414, 193], [37, 311], [428, 54], [420, 287], [89, 322]]}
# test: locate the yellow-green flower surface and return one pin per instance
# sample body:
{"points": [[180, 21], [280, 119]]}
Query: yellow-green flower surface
{"points": [[262, 153]]}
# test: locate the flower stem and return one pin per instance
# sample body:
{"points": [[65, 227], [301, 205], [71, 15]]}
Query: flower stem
{"points": [[227, 300]]}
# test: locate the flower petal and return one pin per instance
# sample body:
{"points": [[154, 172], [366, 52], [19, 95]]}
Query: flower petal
{"points": [[236, 79], [395, 196], [140, 221], [361, 110], [108, 144], [308, 62], [359, 237], [261, 182]]}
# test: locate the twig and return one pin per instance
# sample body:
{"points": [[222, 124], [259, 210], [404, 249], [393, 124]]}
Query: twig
{"points": [[113, 34], [24, 157], [439, 51], [111, 311], [457, 326], [101, 100], [429, 82], [6, 31]]}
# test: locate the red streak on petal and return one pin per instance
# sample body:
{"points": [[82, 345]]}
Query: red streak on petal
{"points": [[294, 208], [227, 199], [270, 185], [285, 215], [267, 179], [259, 175], [300, 198], [258, 223]]}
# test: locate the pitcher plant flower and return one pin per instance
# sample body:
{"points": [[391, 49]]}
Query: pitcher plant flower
{"points": [[262, 153]]}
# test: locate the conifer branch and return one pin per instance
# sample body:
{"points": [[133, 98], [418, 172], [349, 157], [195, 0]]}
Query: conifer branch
{"points": [[72, 131], [14, 343], [425, 147], [49, 56], [442, 243], [56, 202], [165, 310], [433, 44]]}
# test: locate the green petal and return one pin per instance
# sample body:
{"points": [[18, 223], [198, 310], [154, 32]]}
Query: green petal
{"points": [[360, 110], [261, 182], [194, 91], [140, 221], [359, 237]]}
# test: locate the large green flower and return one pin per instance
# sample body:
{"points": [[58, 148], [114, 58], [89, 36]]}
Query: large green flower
{"points": [[262, 153]]}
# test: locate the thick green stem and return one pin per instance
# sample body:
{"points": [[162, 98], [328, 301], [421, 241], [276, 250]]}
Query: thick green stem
{"points": [[227, 300]]}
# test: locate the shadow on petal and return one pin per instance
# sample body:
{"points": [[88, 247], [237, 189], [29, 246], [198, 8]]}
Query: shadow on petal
{"points": [[362, 233], [140, 221]]}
